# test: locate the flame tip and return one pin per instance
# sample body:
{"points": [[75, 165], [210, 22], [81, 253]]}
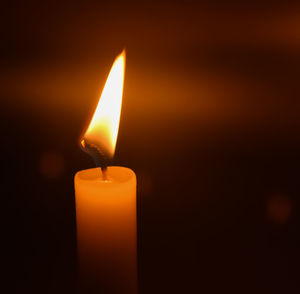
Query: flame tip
{"points": [[121, 55]]}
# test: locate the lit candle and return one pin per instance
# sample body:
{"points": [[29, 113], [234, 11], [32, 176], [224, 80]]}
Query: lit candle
{"points": [[106, 200]]}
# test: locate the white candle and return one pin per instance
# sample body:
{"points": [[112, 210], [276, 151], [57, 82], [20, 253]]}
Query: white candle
{"points": [[106, 202], [106, 229]]}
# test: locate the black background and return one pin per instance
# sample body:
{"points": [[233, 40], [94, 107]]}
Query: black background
{"points": [[210, 124]]}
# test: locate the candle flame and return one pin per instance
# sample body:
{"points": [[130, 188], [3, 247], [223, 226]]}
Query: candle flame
{"points": [[102, 131]]}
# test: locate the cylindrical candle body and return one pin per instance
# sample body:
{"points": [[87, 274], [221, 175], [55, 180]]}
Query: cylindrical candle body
{"points": [[106, 230]]}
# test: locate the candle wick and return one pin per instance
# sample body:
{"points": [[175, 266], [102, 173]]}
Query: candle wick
{"points": [[104, 173], [100, 158]]}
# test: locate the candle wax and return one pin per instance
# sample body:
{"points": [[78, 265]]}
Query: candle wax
{"points": [[106, 229]]}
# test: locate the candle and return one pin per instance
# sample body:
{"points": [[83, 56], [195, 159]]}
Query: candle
{"points": [[106, 200]]}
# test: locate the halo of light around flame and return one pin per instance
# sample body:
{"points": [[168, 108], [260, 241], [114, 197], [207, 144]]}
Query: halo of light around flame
{"points": [[104, 126]]}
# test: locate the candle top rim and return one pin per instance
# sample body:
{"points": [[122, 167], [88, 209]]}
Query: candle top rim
{"points": [[117, 175]]}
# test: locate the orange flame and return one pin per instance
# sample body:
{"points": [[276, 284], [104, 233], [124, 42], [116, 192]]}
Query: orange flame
{"points": [[104, 126]]}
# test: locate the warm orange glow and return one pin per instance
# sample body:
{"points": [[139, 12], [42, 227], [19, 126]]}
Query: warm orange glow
{"points": [[104, 126]]}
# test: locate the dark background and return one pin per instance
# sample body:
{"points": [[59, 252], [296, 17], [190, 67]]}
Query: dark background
{"points": [[210, 124]]}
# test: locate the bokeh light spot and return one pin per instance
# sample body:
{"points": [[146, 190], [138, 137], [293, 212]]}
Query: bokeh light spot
{"points": [[279, 208], [51, 164]]}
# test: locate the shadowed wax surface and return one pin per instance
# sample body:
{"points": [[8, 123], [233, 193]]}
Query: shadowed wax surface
{"points": [[210, 124]]}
